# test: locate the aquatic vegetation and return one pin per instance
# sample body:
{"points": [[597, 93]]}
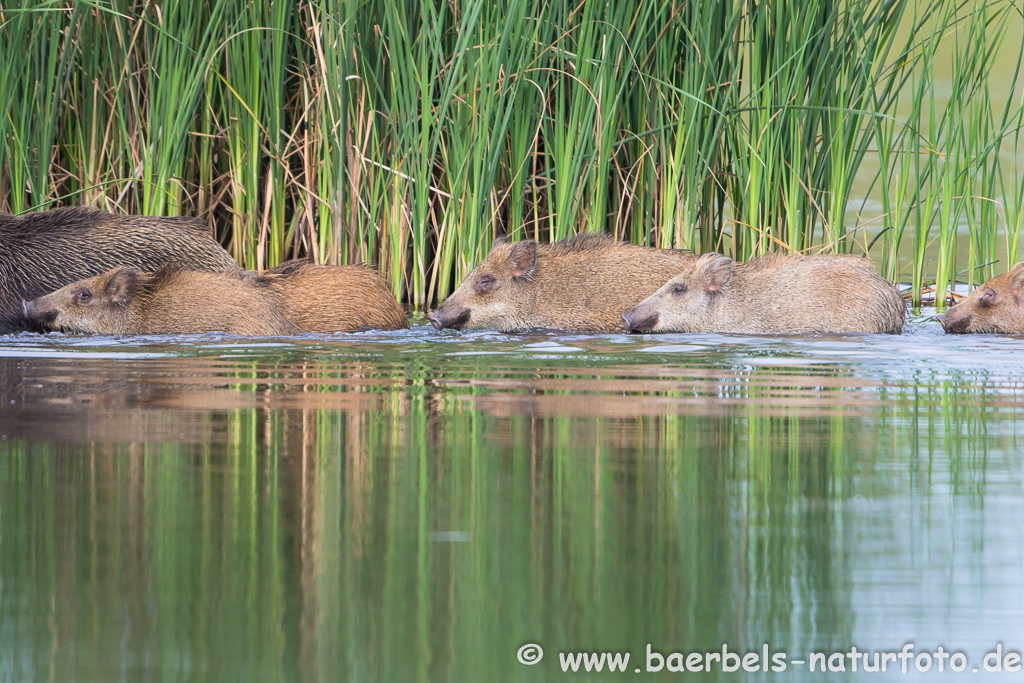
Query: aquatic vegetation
{"points": [[408, 135]]}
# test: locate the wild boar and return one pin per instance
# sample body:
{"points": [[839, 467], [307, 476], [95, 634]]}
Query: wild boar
{"points": [[318, 298], [773, 294], [584, 283], [170, 301], [996, 307], [42, 252]]}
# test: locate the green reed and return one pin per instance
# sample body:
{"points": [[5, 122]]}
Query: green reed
{"points": [[408, 135]]}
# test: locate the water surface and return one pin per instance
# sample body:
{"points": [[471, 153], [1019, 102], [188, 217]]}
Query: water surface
{"points": [[417, 506]]}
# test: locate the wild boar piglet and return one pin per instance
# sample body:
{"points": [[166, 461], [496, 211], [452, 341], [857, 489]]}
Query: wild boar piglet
{"points": [[584, 283], [170, 301], [322, 298], [43, 251], [996, 307], [773, 294]]}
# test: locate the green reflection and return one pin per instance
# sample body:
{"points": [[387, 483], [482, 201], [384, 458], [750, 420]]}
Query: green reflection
{"points": [[299, 519]]}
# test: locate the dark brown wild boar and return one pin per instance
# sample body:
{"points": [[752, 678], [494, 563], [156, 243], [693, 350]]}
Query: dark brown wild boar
{"points": [[319, 298], [584, 283], [42, 252], [170, 301], [773, 294], [996, 307]]}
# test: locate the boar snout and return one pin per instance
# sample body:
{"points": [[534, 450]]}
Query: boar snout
{"points": [[955, 323], [33, 312], [637, 321], [442, 318]]}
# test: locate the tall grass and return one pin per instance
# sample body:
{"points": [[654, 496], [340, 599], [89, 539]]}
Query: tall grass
{"points": [[946, 177], [408, 135]]}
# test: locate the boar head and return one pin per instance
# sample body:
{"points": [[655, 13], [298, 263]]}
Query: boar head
{"points": [[684, 303], [498, 293], [96, 305], [995, 307]]}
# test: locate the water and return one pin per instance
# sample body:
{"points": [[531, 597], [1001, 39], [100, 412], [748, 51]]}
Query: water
{"points": [[418, 506]]}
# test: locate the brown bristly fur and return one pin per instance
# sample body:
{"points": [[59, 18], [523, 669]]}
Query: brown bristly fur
{"points": [[42, 252], [323, 298], [996, 307], [170, 301], [584, 283], [774, 294]]}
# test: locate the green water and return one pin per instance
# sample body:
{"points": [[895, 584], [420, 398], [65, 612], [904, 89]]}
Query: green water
{"points": [[417, 506]]}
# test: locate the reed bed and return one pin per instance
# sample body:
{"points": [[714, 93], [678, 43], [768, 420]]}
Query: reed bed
{"points": [[409, 134]]}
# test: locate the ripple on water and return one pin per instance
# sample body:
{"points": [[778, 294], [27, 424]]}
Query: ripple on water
{"points": [[923, 351], [829, 490]]}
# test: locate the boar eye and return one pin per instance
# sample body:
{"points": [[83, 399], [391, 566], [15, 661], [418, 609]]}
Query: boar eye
{"points": [[679, 288], [486, 283], [84, 296], [988, 296]]}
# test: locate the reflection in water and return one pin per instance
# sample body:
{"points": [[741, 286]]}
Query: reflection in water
{"points": [[417, 507]]}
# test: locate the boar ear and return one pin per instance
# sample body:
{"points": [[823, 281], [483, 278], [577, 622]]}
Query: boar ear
{"points": [[523, 258], [499, 240], [716, 271], [121, 285], [1017, 276]]}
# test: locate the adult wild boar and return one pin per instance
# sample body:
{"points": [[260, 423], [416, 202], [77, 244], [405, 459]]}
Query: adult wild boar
{"points": [[318, 298], [42, 252], [170, 301], [773, 294], [996, 307], [584, 283]]}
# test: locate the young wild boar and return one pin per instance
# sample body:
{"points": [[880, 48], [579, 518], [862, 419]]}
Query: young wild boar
{"points": [[773, 294], [996, 307], [42, 252], [170, 301], [584, 283], [332, 298]]}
